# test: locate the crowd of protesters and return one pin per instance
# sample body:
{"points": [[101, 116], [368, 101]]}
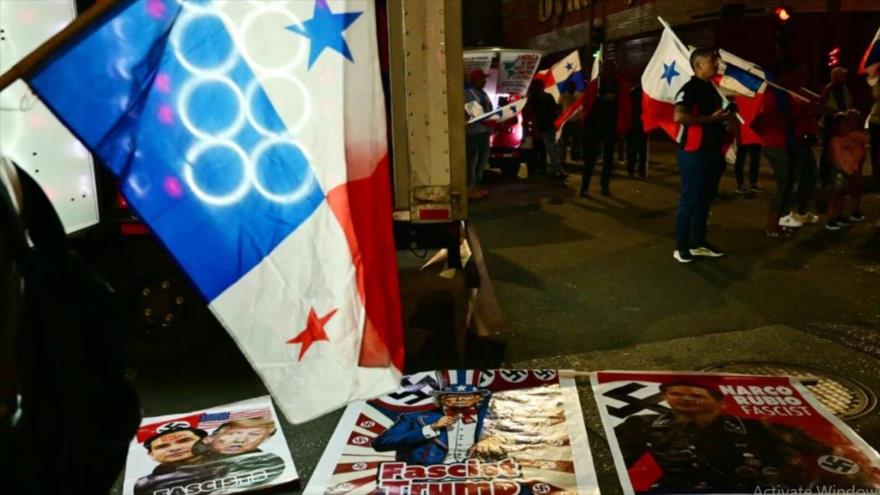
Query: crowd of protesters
{"points": [[786, 130]]}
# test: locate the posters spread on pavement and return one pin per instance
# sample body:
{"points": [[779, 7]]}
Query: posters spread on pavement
{"points": [[515, 71], [227, 449], [462, 431], [712, 433]]}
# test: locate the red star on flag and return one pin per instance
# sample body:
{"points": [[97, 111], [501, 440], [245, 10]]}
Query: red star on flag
{"points": [[313, 332]]}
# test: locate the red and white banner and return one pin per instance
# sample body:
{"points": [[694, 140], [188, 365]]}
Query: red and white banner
{"points": [[723, 434]]}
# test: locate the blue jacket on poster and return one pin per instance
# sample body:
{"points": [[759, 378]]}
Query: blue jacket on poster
{"points": [[405, 436]]}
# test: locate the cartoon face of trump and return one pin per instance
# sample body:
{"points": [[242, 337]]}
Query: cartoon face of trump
{"points": [[240, 436]]}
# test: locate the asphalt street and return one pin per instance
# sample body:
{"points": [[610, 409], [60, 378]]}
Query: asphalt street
{"points": [[590, 284]]}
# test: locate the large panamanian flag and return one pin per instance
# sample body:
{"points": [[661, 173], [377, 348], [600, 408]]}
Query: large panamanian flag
{"points": [[250, 137]]}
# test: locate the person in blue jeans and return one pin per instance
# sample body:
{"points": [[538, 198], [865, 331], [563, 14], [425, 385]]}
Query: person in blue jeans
{"points": [[542, 111], [477, 135], [698, 108]]}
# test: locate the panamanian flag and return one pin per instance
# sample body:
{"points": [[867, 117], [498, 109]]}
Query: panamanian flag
{"points": [[870, 64], [501, 114], [747, 82], [667, 71], [588, 93], [250, 137], [561, 74]]}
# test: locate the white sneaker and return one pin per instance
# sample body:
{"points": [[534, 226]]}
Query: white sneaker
{"points": [[808, 217], [790, 221]]}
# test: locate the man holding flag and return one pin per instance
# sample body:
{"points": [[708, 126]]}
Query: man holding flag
{"points": [[606, 113], [698, 109], [690, 111]]}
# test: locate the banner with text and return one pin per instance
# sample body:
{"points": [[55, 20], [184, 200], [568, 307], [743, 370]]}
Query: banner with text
{"points": [[515, 71], [462, 431], [713, 433], [228, 449], [479, 60]]}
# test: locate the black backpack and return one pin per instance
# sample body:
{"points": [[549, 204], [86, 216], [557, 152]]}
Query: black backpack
{"points": [[78, 411]]}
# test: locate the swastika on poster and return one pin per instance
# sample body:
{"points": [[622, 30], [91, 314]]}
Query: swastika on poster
{"points": [[514, 376], [415, 390], [541, 488], [634, 404], [173, 425], [487, 377], [360, 440], [839, 465], [545, 375]]}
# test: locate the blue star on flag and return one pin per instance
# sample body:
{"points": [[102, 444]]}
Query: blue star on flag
{"points": [[669, 72], [324, 30], [569, 66]]}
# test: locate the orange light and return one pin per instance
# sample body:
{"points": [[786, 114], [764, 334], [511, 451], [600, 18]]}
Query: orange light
{"points": [[782, 14]]}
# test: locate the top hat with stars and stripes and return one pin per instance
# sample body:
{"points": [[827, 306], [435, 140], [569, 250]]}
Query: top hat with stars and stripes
{"points": [[459, 382]]}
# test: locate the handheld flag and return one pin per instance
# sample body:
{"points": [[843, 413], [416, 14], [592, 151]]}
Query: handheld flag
{"points": [[748, 83], [561, 73], [250, 137], [589, 92], [871, 60], [667, 71], [501, 114], [740, 76]]}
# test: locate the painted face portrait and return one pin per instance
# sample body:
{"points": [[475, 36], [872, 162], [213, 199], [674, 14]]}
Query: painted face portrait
{"points": [[691, 400], [173, 447], [460, 401], [237, 440]]}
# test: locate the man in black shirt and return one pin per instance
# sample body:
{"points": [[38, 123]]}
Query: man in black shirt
{"points": [[698, 108], [637, 139], [602, 124]]}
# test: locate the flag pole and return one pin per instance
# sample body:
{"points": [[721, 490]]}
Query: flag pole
{"points": [[32, 61], [811, 93]]}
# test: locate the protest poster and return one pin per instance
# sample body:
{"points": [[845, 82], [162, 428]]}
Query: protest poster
{"points": [[515, 71], [462, 431], [478, 60], [714, 433], [227, 449]]}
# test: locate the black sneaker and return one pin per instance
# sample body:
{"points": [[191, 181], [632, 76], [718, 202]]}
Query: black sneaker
{"points": [[857, 217], [756, 188], [832, 225], [842, 221], [682, 256], [707, 250], [741, 190], [606, 192]]}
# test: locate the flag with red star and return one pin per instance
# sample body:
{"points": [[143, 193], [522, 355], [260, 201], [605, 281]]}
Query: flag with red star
{"points": [[250, 138]]}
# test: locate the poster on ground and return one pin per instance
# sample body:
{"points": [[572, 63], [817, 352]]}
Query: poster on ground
{"points": [[515, 71], [713, 433], [462, 431], [227, 449]]}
